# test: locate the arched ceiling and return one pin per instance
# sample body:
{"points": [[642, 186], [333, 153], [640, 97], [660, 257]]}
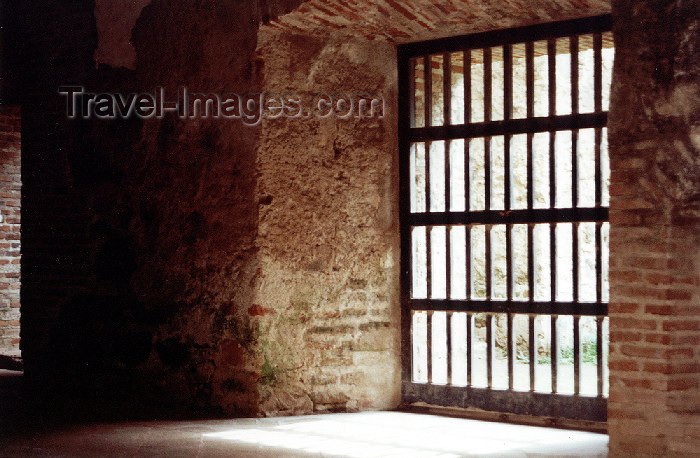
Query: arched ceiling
{"points": [[402, 21]]}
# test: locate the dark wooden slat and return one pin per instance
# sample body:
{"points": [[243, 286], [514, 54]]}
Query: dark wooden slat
{"points": [[511, 349], [530, 263], [577, 355], [428, 92], [509, 127], [467, 80], [530, 77], [509, 262], [488, 273], [412, 91], [508, 36], [536, 216], [597, 174], [448, 337], [405, 95], [598, 71], [488, 84], [599, 353], [554, 347], [447, 89], [551, 75], [598, 262], [489, 350], [531, 349], [505, 306], [469, 349], [575, 262], [429, 344], [573, 50], [468, 269], [428, 262], [507, 82], [518, 402], [553, 292]]}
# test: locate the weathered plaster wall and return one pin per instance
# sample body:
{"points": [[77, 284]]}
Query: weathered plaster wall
{"points": [[139, 235], [654, 406], [155, 248], [327, 293]]}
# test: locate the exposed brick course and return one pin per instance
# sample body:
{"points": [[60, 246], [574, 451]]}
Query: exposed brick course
{"points": [[655, 261], [10, 184]]}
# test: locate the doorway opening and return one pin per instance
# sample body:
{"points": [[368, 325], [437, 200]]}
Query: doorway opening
{"points": [[504, 219]]}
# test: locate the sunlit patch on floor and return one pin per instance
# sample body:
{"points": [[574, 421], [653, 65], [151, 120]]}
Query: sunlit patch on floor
{"points": [[401, 434]]}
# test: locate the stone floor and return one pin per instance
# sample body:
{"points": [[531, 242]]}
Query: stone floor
{"points": [[369, 434]]}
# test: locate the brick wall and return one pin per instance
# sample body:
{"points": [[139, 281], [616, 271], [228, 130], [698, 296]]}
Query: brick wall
{"points": [[654, 405], [10, 183]]}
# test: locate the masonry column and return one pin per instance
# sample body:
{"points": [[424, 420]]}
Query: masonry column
{"points": [[654, 127], [10, 183]]}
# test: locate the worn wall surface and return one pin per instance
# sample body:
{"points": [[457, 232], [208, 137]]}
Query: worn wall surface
{"points": [[139, 234], [654, 405], [203, 265], [10, 184], [328, 233]]}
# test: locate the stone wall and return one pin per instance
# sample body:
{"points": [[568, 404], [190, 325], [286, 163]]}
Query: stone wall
{"points": [[328, 233], [10, 183], [654, 405], [159, 253]]}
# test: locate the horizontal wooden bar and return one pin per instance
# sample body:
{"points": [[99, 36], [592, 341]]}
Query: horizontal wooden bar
{"points": [[536, 216], [516, 402], [514, 35], [511, 306], [509, 127]]}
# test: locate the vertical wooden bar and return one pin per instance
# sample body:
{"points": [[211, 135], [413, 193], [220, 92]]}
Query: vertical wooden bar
{"points": [[598, 71], [554, 350], [577, 354], [487, 118], [507, 82], [448, 335], [530, 95], [467, 59], [551, 72], [469, 349], [468, 269], [406, 74], [575, 261], [429, 344], [573, 51], [412, 91], [487, 200], [553, 292], [530, 78], [467, 80], [489, 350], [599, 353], [531, 349], [508, 114], [597, 172], [489, 321], [487, 84], [530, 104], [598, 262], [447, 88], [511, 350], [428, 77], [552, 84]]}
